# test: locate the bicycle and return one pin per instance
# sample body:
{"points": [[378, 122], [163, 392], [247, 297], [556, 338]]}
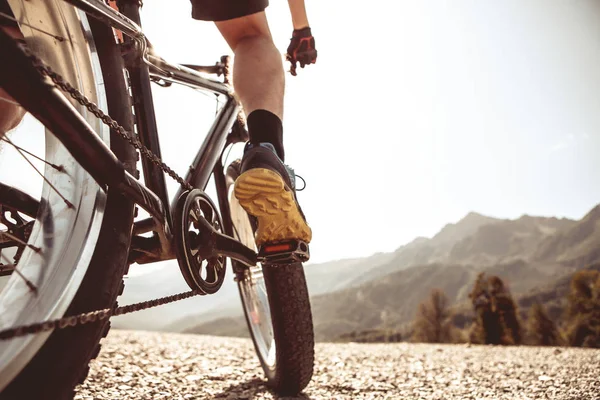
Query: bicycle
{"points": [[80, 69]]}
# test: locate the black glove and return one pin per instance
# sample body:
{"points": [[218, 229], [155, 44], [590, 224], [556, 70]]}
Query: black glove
{"points": [[301, 49]]}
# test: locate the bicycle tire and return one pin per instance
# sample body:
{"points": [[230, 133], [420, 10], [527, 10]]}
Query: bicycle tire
{"points": [[289, 307], [63, 361]]}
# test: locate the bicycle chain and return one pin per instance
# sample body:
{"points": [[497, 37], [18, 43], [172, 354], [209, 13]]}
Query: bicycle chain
{"points": [[66, 87], [92, 316]]}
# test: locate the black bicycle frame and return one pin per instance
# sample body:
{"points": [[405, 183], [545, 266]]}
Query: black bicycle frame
{"points": [[22, 81]]}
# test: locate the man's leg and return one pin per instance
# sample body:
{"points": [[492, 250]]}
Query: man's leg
{"points": [[266, 188], [258, 76]]}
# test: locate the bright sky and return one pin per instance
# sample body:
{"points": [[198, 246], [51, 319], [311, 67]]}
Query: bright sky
{"points": [[418, 112]]}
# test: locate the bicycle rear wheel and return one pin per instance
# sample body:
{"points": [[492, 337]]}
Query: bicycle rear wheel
{"points": [[77, 236], [276, 306]]}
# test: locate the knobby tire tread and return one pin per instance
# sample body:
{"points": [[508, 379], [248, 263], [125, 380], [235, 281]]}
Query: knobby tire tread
{"points": [[292, 326], [291, 315], [63, 361]]}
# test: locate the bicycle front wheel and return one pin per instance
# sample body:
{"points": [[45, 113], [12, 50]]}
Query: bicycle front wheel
{"points": [[276, 306], [64, 240]]}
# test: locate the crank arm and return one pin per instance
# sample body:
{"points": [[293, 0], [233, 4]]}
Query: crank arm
{"points": [[212, 243]]}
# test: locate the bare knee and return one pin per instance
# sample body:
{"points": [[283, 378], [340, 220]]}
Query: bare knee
{"points": [[11, 113], [249, 28]]}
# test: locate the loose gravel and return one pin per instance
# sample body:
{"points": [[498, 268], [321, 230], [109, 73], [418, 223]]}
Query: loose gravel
{"points": [[149, 365]]}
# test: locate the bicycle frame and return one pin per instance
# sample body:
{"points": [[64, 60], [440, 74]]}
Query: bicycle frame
{"points": [[86, 147]]}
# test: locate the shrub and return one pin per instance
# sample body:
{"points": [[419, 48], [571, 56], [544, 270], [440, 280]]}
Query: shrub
{"points": [[432, 321], [583, 309], [541, 330]]}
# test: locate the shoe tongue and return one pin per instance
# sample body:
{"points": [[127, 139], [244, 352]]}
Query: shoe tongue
{"points": [[267, 145]]}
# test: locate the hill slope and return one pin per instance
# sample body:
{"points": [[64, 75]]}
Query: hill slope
{"points": [[477, 240], [527, 253]]}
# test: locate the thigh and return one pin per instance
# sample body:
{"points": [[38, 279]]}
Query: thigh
{"points": [[235, 30], [222, 10]]}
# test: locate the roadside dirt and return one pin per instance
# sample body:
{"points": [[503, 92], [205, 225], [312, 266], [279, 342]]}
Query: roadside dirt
{"points": [[149, 365]]}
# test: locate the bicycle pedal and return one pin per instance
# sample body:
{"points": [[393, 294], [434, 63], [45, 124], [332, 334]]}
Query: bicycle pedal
{"points": [[285, 252]]}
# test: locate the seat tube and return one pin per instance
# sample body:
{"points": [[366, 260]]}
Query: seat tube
{"points": [[143, 103]]}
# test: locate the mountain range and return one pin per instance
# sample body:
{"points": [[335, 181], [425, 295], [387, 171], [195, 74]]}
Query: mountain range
{"points": [[383, 290]]}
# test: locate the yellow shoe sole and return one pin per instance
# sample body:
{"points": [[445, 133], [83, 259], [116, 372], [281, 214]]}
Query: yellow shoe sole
{"points": [[263, 194]]}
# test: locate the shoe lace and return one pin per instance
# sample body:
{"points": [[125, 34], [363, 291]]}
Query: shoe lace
{"points": [[293, 177], [303, 184]]}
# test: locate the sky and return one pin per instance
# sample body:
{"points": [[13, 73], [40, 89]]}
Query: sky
{"points": [[416, 113]]}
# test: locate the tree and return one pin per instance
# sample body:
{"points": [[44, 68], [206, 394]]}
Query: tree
{"points": [[496, 319], [432, 321], [541, 330], [583, 310]]}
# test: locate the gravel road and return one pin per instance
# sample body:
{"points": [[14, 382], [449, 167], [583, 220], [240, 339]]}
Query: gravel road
{"points": [[147, 365]]}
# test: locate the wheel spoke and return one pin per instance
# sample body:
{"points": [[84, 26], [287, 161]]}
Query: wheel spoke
{"points": [[67, 202], [29, 284], [20, 149], [13, 237]]}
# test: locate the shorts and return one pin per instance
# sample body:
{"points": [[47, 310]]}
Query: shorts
{"points": [[221, 10]]}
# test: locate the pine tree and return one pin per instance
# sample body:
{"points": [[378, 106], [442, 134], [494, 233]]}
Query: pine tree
{"points": [[496, 319]]}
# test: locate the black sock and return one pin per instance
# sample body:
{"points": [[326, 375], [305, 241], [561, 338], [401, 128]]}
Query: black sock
{"points": [[264, 126]]}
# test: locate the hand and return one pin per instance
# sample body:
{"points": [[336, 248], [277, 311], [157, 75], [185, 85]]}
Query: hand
{"points": [[301, 49]]}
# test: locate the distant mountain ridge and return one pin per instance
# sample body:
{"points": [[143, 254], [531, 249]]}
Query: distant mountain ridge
{"points": [[579, 243], [475, 240]]}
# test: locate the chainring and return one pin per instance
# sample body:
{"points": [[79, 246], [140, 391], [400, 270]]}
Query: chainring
{"points": [[200, 273]]}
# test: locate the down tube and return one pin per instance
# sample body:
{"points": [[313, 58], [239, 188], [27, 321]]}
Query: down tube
{"points": [[211, 149]]}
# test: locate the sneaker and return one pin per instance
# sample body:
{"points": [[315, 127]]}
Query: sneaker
{"points": [[266, 189]]}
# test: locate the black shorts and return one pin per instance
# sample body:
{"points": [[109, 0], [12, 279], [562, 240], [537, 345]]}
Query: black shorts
{"points": [[221, 10]]}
